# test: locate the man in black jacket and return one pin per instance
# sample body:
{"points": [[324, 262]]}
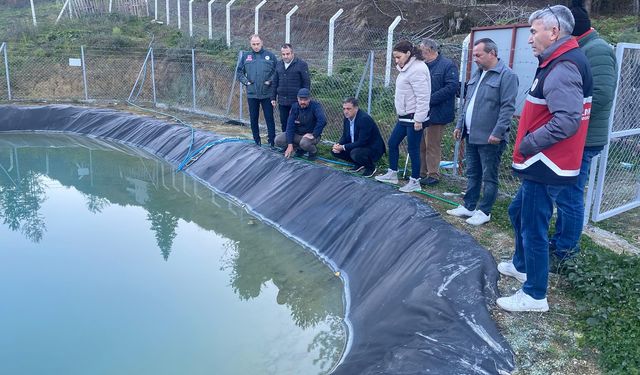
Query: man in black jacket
{"points": [[444, 86], [256, 71], [361, 142], [292, 74]]}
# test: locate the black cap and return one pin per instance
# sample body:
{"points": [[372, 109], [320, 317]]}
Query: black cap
{"points": [[580, 14], [304, 93]]}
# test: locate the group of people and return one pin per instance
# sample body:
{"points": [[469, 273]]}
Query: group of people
{"points": [[563, 125]]}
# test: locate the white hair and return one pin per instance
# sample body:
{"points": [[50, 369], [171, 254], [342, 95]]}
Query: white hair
{"points": [[557, 15]]}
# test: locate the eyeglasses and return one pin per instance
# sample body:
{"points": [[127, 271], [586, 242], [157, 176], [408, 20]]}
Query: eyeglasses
{"points": [[555, 15]]}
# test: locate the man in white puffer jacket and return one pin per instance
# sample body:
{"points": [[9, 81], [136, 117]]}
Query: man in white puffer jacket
{"points": [[413, 93]]}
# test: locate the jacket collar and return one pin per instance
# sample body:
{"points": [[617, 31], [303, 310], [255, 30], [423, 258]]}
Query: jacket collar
{"points": [[591, 30], [562, 45], [406, 66]]}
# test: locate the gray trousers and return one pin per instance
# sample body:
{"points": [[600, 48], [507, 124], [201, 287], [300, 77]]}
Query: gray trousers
{"points": [[299, 142]]}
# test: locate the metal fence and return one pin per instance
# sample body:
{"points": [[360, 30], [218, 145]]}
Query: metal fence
{"points": [[618, 184]]}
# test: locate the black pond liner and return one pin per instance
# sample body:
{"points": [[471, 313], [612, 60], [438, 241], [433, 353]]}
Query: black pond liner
{"points": [[417, 288]]}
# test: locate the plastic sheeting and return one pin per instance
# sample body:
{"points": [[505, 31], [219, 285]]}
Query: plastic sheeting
{"points": [[417, 288]]}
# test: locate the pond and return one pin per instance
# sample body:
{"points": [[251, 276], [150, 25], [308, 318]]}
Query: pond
{"points": [[111, 263]]}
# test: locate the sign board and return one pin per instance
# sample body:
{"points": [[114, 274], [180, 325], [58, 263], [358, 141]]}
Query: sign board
{"points": [[75, 62]]}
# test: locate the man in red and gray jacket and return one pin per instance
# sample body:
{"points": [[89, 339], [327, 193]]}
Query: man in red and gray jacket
{"points": [[548, 150]]}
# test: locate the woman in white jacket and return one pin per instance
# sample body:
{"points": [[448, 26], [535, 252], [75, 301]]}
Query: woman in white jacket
{"points": [[413, 92]]}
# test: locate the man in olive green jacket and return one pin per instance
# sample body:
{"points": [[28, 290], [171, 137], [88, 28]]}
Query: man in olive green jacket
{"points": [[570, 203]]}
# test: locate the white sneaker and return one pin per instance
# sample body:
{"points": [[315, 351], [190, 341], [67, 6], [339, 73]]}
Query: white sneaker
{"points": [[461, 211], [391, 177], [508, 269], [412, 185], [521, 301], [478, 218]]}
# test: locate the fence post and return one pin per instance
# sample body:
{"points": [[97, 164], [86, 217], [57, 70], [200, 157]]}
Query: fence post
{"points": [[153, 78], [3, 48], [33, 14], [142, 70], [155, 10], [387, 72], [110, 5], [287, 27], [193, 77], [233, 85], [209, 18], [463, 77], [369, 100], [362, 76], [257, 16], [332, 24], [191, 18], [167, 10], [84, 74], [64, 6], [179, 15], [229, 22]]}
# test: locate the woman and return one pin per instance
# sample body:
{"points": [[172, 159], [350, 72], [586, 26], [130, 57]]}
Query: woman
{"points": [[413, 92]]}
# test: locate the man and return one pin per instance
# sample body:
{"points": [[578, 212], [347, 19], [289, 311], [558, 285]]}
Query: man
{"points": [[548, 150], [256, 70], [484, 124], [570, 202], [444, 86], [292, 74], [361, 142], [304, 127]]}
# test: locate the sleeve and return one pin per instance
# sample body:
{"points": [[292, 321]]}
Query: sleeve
{"points": [[272, 63], [565, 99], [275, 83], [321, 120], [240, 72], [304, 74], [508, 94], [291, 122], [421, 85], [450, 87]]}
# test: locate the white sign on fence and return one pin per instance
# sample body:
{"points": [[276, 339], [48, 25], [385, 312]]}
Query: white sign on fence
{"points": [[75, 62]]}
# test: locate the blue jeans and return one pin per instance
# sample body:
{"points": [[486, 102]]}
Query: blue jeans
{"points": [[570, 204], [482, 164], [414, 138], [530, 213], [254, 115]]}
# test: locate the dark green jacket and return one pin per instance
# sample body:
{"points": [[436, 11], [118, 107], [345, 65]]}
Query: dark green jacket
{"points": [[256, 71], [602, 59]]}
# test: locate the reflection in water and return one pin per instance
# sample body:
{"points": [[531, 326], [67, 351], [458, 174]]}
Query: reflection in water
{"points": [[255, 255]]}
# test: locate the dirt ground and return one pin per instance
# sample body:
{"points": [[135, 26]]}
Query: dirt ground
{"points": [[543, 343]]}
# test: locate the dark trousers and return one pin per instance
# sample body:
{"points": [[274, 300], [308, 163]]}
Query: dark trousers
{"points": [[254, 115], [359, 156], [482, 162], [284, 115], [401, 130]]}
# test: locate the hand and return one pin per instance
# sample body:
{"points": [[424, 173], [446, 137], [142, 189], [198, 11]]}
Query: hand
{"points": [[337, 148], [309, 136], [273, 103], [457, 134], [417, 126], [494, 140], [267, 83], [249, 83], [288, 151]]}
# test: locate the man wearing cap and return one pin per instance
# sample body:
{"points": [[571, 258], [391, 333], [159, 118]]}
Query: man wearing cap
{"points": [[256, 70], [570, 202], [361, 142], [304, 127]]}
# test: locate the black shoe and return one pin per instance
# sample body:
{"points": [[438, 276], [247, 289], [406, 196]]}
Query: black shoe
{"points": [[299, 153], [356, 168], [368, 172], [312, 156], [429, 181]]}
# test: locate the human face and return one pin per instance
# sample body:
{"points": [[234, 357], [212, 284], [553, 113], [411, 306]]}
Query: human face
{"points": [[541, 38], [304, 102], [256, 44], [428, 54], [401, 58], [485, 60], [287, 55], [349, 110]]}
